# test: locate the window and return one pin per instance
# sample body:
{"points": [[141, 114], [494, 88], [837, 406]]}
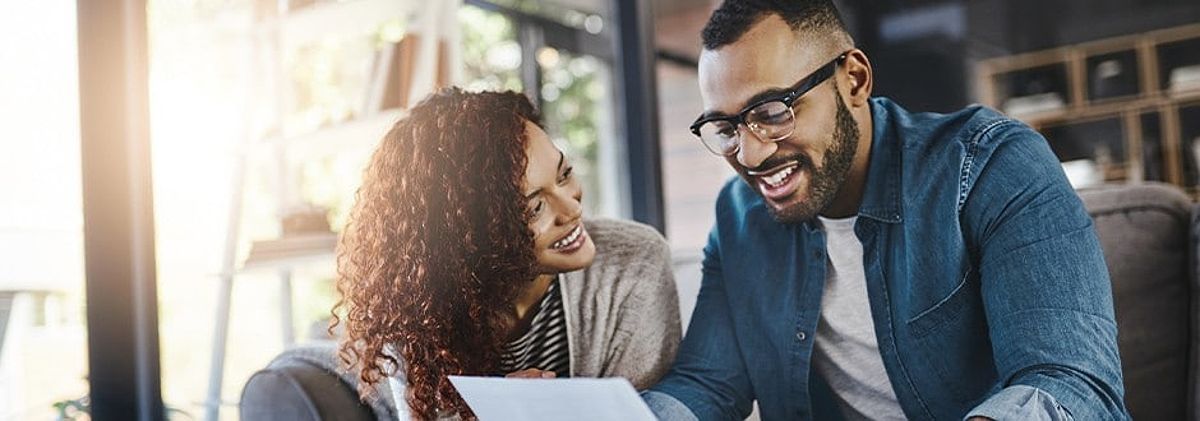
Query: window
{"points": [[43, 340], [263, 120], [574, 79], [491, 54], [575, 102]]}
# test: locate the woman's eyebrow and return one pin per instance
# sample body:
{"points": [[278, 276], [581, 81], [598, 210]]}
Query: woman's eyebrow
{"points": [[561, 157]]}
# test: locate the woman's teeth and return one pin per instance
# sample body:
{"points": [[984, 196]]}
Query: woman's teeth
{"points": [[775, 180], [570, 238]]}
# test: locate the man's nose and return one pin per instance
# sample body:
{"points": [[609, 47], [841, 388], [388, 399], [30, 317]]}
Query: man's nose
{"points": [[753, 151]]}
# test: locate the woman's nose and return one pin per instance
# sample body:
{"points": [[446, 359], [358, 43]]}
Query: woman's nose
{"points": [[570, 207]]}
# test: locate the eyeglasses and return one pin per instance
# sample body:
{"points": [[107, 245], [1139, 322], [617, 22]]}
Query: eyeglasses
{"points": [[770, 119]]}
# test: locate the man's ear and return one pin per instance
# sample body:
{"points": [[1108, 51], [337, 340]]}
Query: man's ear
{"points": [[859, 76]]}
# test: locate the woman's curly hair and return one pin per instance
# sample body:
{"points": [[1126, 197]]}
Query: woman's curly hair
{"points": [[437, 247]]}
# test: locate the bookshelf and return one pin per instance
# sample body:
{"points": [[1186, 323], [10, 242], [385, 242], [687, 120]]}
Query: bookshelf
{"points": [[1126, 108]]}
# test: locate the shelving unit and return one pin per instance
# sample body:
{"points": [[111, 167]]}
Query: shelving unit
{"points": [[1129, 107]]}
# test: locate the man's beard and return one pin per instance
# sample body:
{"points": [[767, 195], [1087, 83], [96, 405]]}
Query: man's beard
{"points": [[826, 181]]}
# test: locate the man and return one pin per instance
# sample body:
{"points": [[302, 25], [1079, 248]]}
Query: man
{"points": [[873, 263]]}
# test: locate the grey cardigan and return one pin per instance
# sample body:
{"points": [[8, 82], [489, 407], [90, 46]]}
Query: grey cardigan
{"points": [[622, 311]]}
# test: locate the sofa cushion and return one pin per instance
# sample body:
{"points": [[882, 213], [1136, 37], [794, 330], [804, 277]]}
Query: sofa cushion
{"points": [[1143, 230]]}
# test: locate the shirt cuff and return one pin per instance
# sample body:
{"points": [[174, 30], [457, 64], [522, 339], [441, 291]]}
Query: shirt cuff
{"points": [[666, 407], [1021, 402]]}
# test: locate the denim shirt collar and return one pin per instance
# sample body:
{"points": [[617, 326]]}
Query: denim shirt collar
{"points": [[881, 198]]}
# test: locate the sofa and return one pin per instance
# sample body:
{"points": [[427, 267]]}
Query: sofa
{"points": [[305, 383], [1149, 233]]}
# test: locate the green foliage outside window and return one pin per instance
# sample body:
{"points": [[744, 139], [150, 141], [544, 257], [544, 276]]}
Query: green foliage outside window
{"points": [[490, 52], [572, 97]]}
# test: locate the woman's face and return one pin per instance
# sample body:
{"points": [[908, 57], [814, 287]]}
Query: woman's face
{"points": [[560, 241]]}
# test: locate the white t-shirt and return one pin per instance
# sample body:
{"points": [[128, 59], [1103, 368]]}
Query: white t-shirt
{"points": [[846, 352]]}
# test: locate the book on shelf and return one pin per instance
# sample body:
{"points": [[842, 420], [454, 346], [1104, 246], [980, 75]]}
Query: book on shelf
{"points": [[291, 249]]}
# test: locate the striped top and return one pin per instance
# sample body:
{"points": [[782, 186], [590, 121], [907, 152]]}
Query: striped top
{"points": [[544, 345]]}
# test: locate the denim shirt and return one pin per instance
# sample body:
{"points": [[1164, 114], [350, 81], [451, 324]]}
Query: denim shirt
{"points": [[984, 275]]}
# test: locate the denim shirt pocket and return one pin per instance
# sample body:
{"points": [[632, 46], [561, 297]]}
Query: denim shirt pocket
{"points": [[946, 310]]}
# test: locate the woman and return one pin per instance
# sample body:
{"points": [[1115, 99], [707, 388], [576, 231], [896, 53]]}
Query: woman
{"points": [[466, 253]]}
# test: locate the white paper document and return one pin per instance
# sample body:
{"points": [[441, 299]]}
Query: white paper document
{"points": [[504, 399]]}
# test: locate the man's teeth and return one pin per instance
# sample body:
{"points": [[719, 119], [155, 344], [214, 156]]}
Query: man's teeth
{"points": [[570, 238], [774, 180]]}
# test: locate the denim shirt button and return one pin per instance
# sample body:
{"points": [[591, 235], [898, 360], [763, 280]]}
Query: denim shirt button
{"points": [[800, 335]]}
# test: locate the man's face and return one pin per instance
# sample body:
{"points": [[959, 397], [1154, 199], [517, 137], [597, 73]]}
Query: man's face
{"points": [[798, 176]]}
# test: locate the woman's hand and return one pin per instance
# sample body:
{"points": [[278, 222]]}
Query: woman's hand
{"points": [[532, 373]]}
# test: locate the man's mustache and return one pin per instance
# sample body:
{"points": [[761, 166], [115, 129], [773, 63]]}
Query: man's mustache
{"points": [[777, 160]]}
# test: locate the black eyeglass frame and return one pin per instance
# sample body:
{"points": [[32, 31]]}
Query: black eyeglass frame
{"points": [[789, 98]]}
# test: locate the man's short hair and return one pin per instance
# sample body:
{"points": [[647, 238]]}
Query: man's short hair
{"points": [[734, 17]]}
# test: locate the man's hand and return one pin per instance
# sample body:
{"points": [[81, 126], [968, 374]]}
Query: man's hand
{"points": [[980, 419], [532, 373]]}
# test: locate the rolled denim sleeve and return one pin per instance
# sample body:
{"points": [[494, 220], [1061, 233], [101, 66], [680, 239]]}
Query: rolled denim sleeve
{"points": [[1046, 291], [1021, 402], [665, 407]]}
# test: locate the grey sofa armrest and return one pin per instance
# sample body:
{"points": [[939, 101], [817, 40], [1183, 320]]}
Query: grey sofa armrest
{"points": [[1144, 230], [1193, 409], [305, 383]]}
